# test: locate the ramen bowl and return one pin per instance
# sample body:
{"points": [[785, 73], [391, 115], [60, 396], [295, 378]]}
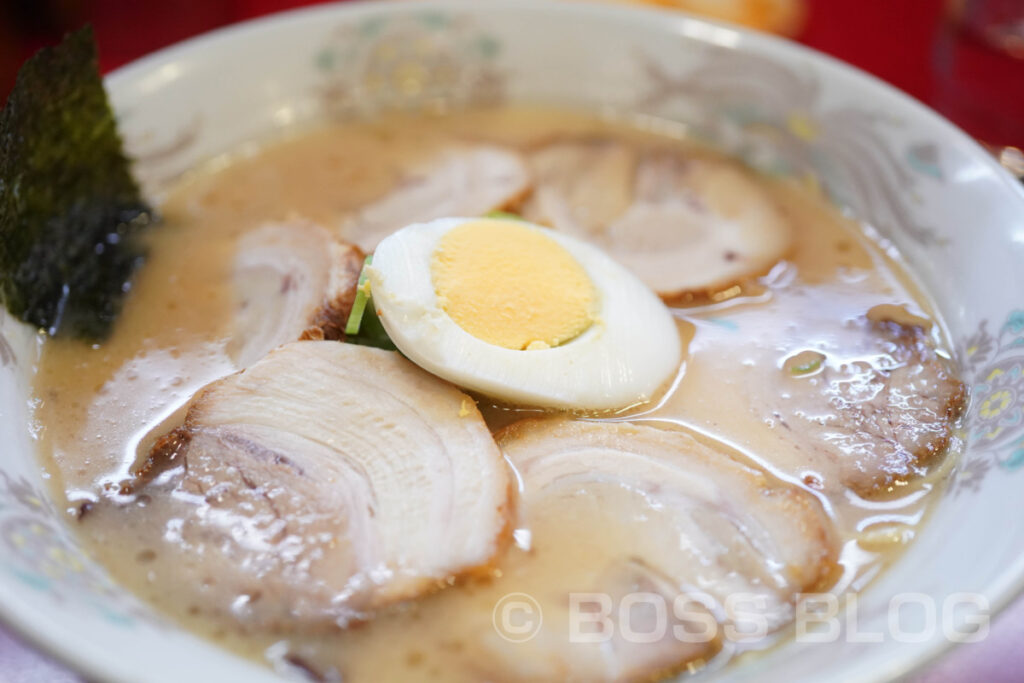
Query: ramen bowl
{"points": [[928, 190]]}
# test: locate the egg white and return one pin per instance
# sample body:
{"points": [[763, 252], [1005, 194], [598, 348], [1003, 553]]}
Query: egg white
{"points": [[631, 349]]}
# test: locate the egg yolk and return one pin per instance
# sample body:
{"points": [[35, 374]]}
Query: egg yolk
{"points": [[511, 285]]}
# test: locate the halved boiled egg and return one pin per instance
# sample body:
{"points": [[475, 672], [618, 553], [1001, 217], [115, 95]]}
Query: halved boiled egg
{"points": [[523, 314]]}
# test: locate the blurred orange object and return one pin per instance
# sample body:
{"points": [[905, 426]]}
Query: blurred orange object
{"points": [[785, 17]]}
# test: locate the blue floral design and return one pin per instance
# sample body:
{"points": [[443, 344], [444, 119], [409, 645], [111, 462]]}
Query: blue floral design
{"points": [[1015, 323], [1016, 459], [39, 552], [408, 62], [995, 422]]}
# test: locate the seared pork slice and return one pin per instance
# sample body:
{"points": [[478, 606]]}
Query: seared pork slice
{"points": [[463, 180], [879, 418], [329, 480], [653, 512], [581, 186], [685, 225], [292, 280]]}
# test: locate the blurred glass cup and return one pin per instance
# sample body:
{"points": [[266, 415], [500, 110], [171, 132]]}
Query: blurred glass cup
{"points": [[979, 66], [996, 23]]}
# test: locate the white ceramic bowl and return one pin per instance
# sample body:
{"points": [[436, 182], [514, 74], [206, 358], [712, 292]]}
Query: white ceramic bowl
{"points": [[956, 216]]}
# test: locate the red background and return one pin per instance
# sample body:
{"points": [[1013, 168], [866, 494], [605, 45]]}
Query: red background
{"points": [[910, 43]]}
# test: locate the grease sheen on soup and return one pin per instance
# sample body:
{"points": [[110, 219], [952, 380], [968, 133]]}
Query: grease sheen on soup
{"points": [[97, 406]]}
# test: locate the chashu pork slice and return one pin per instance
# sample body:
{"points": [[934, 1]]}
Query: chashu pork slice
{"points": [[293, 280], [877, 418], [328, 480], [616, 509], [462, 180], [687, 226]]}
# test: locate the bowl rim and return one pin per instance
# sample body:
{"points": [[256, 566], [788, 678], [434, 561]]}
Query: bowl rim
{"points": [[1004, 590]]}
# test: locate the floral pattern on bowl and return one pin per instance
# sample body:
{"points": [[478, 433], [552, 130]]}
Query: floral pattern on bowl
{"points": [[995, 422], [425, 61], [771, 115], [40, 552]]}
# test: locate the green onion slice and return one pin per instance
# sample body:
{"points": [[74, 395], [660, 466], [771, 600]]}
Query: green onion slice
{"points": [[503, 214], [355, 317]]}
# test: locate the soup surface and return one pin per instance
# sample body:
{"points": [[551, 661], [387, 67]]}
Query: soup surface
{"points": [[746, 351]]}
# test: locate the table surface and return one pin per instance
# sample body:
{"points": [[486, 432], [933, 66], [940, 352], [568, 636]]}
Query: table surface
{"points": [[908, 43]]}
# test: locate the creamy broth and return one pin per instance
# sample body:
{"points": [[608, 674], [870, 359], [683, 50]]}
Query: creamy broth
{"points": [[97, 406]]}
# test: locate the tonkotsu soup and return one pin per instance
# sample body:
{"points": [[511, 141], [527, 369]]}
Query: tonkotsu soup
{"points": [[780, 425]]}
